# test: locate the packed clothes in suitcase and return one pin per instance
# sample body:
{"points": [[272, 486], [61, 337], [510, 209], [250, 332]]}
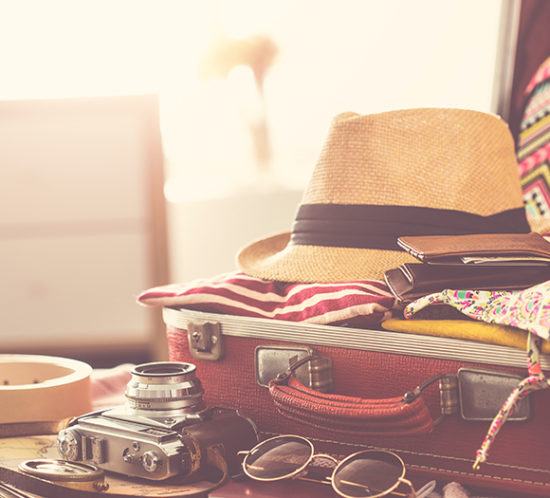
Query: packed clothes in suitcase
{"points": [[312, 337]]}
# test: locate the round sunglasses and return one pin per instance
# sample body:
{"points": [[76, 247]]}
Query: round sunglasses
{"points": [[364, 474]]}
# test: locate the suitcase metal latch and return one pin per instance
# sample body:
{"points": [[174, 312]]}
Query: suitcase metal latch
{"points": [[482, 392], [475, 394], [274, 362], [205, 340]]}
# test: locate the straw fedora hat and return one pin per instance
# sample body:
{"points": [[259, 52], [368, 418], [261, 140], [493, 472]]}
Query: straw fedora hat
{"points": [[411, 172]]}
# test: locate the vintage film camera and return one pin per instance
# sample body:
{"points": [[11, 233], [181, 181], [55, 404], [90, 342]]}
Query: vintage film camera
{"points": [[163, 430]]}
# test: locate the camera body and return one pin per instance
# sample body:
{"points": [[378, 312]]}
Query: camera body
{"points": [[163, 430]]}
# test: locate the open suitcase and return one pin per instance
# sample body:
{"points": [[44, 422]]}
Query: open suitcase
{"points": [[378, 177], [237, 356]]}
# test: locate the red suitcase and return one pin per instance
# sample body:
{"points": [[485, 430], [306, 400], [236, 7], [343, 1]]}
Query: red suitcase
{"points": [[378, 177], [234, 354]]}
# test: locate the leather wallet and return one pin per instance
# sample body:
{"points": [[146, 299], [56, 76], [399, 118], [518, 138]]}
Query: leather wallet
{"points": [[414, 280], [479, 249]]}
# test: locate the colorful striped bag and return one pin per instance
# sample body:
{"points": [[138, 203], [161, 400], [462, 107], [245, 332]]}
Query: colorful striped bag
{"points": [[533, 149]]}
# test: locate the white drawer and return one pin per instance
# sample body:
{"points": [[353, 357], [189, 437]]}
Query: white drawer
{"points": [[63, 166], [73, 291]]}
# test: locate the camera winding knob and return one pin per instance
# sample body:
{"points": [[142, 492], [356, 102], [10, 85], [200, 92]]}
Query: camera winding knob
{"points": [[68, 445], [150, 461]]}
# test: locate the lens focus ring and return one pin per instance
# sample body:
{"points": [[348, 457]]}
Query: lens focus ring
{"points": [[164, 386]]}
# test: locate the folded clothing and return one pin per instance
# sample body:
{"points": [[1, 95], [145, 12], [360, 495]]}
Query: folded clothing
{"points": [[528, 309], [471, 330], [364, 303]]}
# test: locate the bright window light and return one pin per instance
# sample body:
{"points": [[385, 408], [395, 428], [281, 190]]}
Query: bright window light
{"points": [[248, 87]]}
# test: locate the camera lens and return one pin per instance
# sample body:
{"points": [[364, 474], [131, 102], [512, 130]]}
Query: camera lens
{"points": [[163, 369], [164, 390]]}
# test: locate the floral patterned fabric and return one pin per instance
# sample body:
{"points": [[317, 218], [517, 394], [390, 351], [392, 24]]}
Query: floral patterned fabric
{"points": [[528, 309], [534, 382]]}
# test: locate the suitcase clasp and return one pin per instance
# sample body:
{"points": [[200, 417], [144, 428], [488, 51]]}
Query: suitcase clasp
{"points": [[279, 362], [205, 340], [475, 394]]}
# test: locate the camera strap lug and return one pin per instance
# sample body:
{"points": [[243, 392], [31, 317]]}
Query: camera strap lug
{"points": [[205, 340]]}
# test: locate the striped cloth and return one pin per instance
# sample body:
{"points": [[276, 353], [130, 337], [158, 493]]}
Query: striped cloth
{"points": [[533, 148], [355, 304]]}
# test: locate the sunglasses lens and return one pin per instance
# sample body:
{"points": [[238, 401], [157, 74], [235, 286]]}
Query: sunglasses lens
{"points": [[368, 473], [277, 458]]}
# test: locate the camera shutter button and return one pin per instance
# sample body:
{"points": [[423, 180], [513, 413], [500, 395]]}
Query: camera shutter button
{"points": [[150, 461]]}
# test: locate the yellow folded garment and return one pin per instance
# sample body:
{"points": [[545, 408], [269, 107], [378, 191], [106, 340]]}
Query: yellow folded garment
{"points": [[471, 330]]}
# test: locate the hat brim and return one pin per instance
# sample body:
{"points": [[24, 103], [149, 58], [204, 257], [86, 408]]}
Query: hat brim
{"points": [[274, 258]]}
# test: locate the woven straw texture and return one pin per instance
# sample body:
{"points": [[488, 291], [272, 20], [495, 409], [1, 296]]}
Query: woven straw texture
{"points": [[436, 158]]}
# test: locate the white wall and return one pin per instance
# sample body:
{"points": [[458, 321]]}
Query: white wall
{"points": [[333, 56]]}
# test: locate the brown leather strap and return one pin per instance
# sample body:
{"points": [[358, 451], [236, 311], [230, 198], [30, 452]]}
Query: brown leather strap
{"points": [[349, 414]]}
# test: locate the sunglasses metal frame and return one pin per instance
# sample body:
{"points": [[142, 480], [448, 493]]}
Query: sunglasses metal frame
{"points": [[298, 473]]}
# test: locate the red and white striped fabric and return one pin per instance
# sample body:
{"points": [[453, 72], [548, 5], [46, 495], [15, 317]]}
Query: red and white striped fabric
{"points": [[357, 304]]}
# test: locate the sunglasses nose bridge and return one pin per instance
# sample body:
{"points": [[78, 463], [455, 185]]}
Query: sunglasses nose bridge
{"points": [[324, 456]]}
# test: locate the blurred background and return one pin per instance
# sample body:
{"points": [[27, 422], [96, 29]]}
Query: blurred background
{"points": [[143, 142]]}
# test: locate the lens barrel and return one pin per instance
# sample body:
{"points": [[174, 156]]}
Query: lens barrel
{"points": [[164, 389]]}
